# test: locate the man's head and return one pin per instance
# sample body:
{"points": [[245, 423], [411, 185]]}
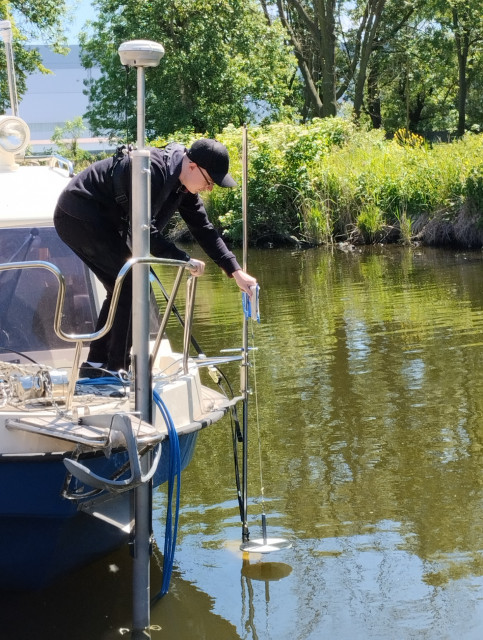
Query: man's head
{"points": [[211, 158]]}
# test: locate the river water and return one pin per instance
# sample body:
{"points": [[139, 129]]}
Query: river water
{"points": [[366, 446]]}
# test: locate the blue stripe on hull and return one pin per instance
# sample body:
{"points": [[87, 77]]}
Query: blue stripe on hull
{"points": [[38, 550], [43, 535]]}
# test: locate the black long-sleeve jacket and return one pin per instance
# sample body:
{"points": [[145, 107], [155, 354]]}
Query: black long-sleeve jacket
{"points": [[93, 193]]}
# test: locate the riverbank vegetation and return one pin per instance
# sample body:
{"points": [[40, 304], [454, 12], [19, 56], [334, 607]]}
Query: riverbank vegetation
{"points": [[342, 99], [331, 181]]}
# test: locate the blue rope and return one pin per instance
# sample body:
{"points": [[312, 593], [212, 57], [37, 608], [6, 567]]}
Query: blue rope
{"points": [[174, 470], [102, 380]]}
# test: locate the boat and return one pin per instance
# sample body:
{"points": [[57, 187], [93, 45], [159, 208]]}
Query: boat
{"points": [[79, 458]]}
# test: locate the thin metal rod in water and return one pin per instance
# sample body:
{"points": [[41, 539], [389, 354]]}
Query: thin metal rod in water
{"points": [[266, 544], [244, 366], [245, 197]]}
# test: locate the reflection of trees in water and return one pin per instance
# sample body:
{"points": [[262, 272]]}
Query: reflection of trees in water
{"points": [[369, 371]]}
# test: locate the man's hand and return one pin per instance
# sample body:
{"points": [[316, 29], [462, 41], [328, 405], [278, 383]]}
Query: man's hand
{"points": [[197, 268], [244, 281]]}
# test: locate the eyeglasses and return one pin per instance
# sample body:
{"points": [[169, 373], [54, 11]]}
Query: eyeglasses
{"points": [[208, 180]]}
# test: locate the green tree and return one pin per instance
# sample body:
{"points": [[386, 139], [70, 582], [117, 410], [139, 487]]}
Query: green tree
{"points": [[408, 81], [67, 140], [31, 19], [333, 41], [223, 61], [364, 42], [425, 71], [464, 18]]}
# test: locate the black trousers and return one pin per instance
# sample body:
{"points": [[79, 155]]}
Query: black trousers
{"points": [[101, 247]]}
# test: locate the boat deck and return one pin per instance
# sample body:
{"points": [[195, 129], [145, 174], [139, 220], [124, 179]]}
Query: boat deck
{"points": [[92, 416]]}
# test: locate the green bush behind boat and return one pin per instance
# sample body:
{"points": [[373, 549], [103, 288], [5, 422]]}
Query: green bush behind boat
{"points": [[328, 181]]}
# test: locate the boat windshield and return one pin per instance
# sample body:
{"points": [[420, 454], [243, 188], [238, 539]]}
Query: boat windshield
{"points": [[28, 296]]}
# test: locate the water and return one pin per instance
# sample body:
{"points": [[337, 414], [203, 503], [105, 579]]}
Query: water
{"points": [[368, 379]]}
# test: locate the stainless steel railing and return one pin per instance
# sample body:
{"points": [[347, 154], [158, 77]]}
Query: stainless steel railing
{"points": [[79, 339]]}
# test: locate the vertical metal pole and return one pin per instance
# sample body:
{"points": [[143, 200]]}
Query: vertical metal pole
{"points": [[140, 108], [244, 367], [245, 197], [141, 213], [6, 28], [141, 54]]}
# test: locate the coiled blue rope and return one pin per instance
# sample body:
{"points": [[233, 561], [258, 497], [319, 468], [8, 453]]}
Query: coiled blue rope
{"points": [[171, 530]]}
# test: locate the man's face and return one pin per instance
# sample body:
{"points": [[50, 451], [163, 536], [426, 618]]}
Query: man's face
{"points": [[197, 179]]}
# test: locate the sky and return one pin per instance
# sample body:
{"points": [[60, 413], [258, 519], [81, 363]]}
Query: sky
{"points": [[83, 11]]}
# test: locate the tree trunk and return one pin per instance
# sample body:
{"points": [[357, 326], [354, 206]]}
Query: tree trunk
{"points": [[372, 18], [374, 98], [462, 48], [311, 88], [326, 19]]}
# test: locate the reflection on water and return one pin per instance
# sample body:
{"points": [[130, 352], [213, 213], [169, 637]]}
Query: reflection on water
{"points": [[368, 370], [368, 376], [95, 603]]}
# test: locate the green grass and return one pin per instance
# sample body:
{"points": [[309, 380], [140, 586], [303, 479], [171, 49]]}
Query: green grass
{"points": [[329, 180]]}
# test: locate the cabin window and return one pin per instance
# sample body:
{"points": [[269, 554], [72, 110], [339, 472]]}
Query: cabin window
{"points": [[28, 296]]}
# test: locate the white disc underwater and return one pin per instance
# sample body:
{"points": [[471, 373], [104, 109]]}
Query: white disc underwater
{"points": [[265, 545]]}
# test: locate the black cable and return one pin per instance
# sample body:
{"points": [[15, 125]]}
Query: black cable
{"points": [[19, 353]]}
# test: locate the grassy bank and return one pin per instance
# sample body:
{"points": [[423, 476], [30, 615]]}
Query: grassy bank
{"points": [[328, 181]]}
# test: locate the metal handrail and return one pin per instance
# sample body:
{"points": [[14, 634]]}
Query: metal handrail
{"points": [[190, 301], [169, 306], [52, 159], [80, 338]]}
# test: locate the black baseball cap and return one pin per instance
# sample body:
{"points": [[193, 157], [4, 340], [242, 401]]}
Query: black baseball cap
{"points": [[212, 156]]}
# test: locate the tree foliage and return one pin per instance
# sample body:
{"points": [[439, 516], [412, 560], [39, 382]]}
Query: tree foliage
{"points": [[463, 19], [223, 61], [30, 19], [426, 75], [67, 140], [333, 41], [416, 64]]}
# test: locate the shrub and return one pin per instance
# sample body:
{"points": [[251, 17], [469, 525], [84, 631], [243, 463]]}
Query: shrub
{"points": [[322, 180]]}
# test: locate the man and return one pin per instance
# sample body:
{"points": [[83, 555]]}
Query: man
{"points": [[92, 218]]}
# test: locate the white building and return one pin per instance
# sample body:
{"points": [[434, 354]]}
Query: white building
{"points": [[53, 99]]}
